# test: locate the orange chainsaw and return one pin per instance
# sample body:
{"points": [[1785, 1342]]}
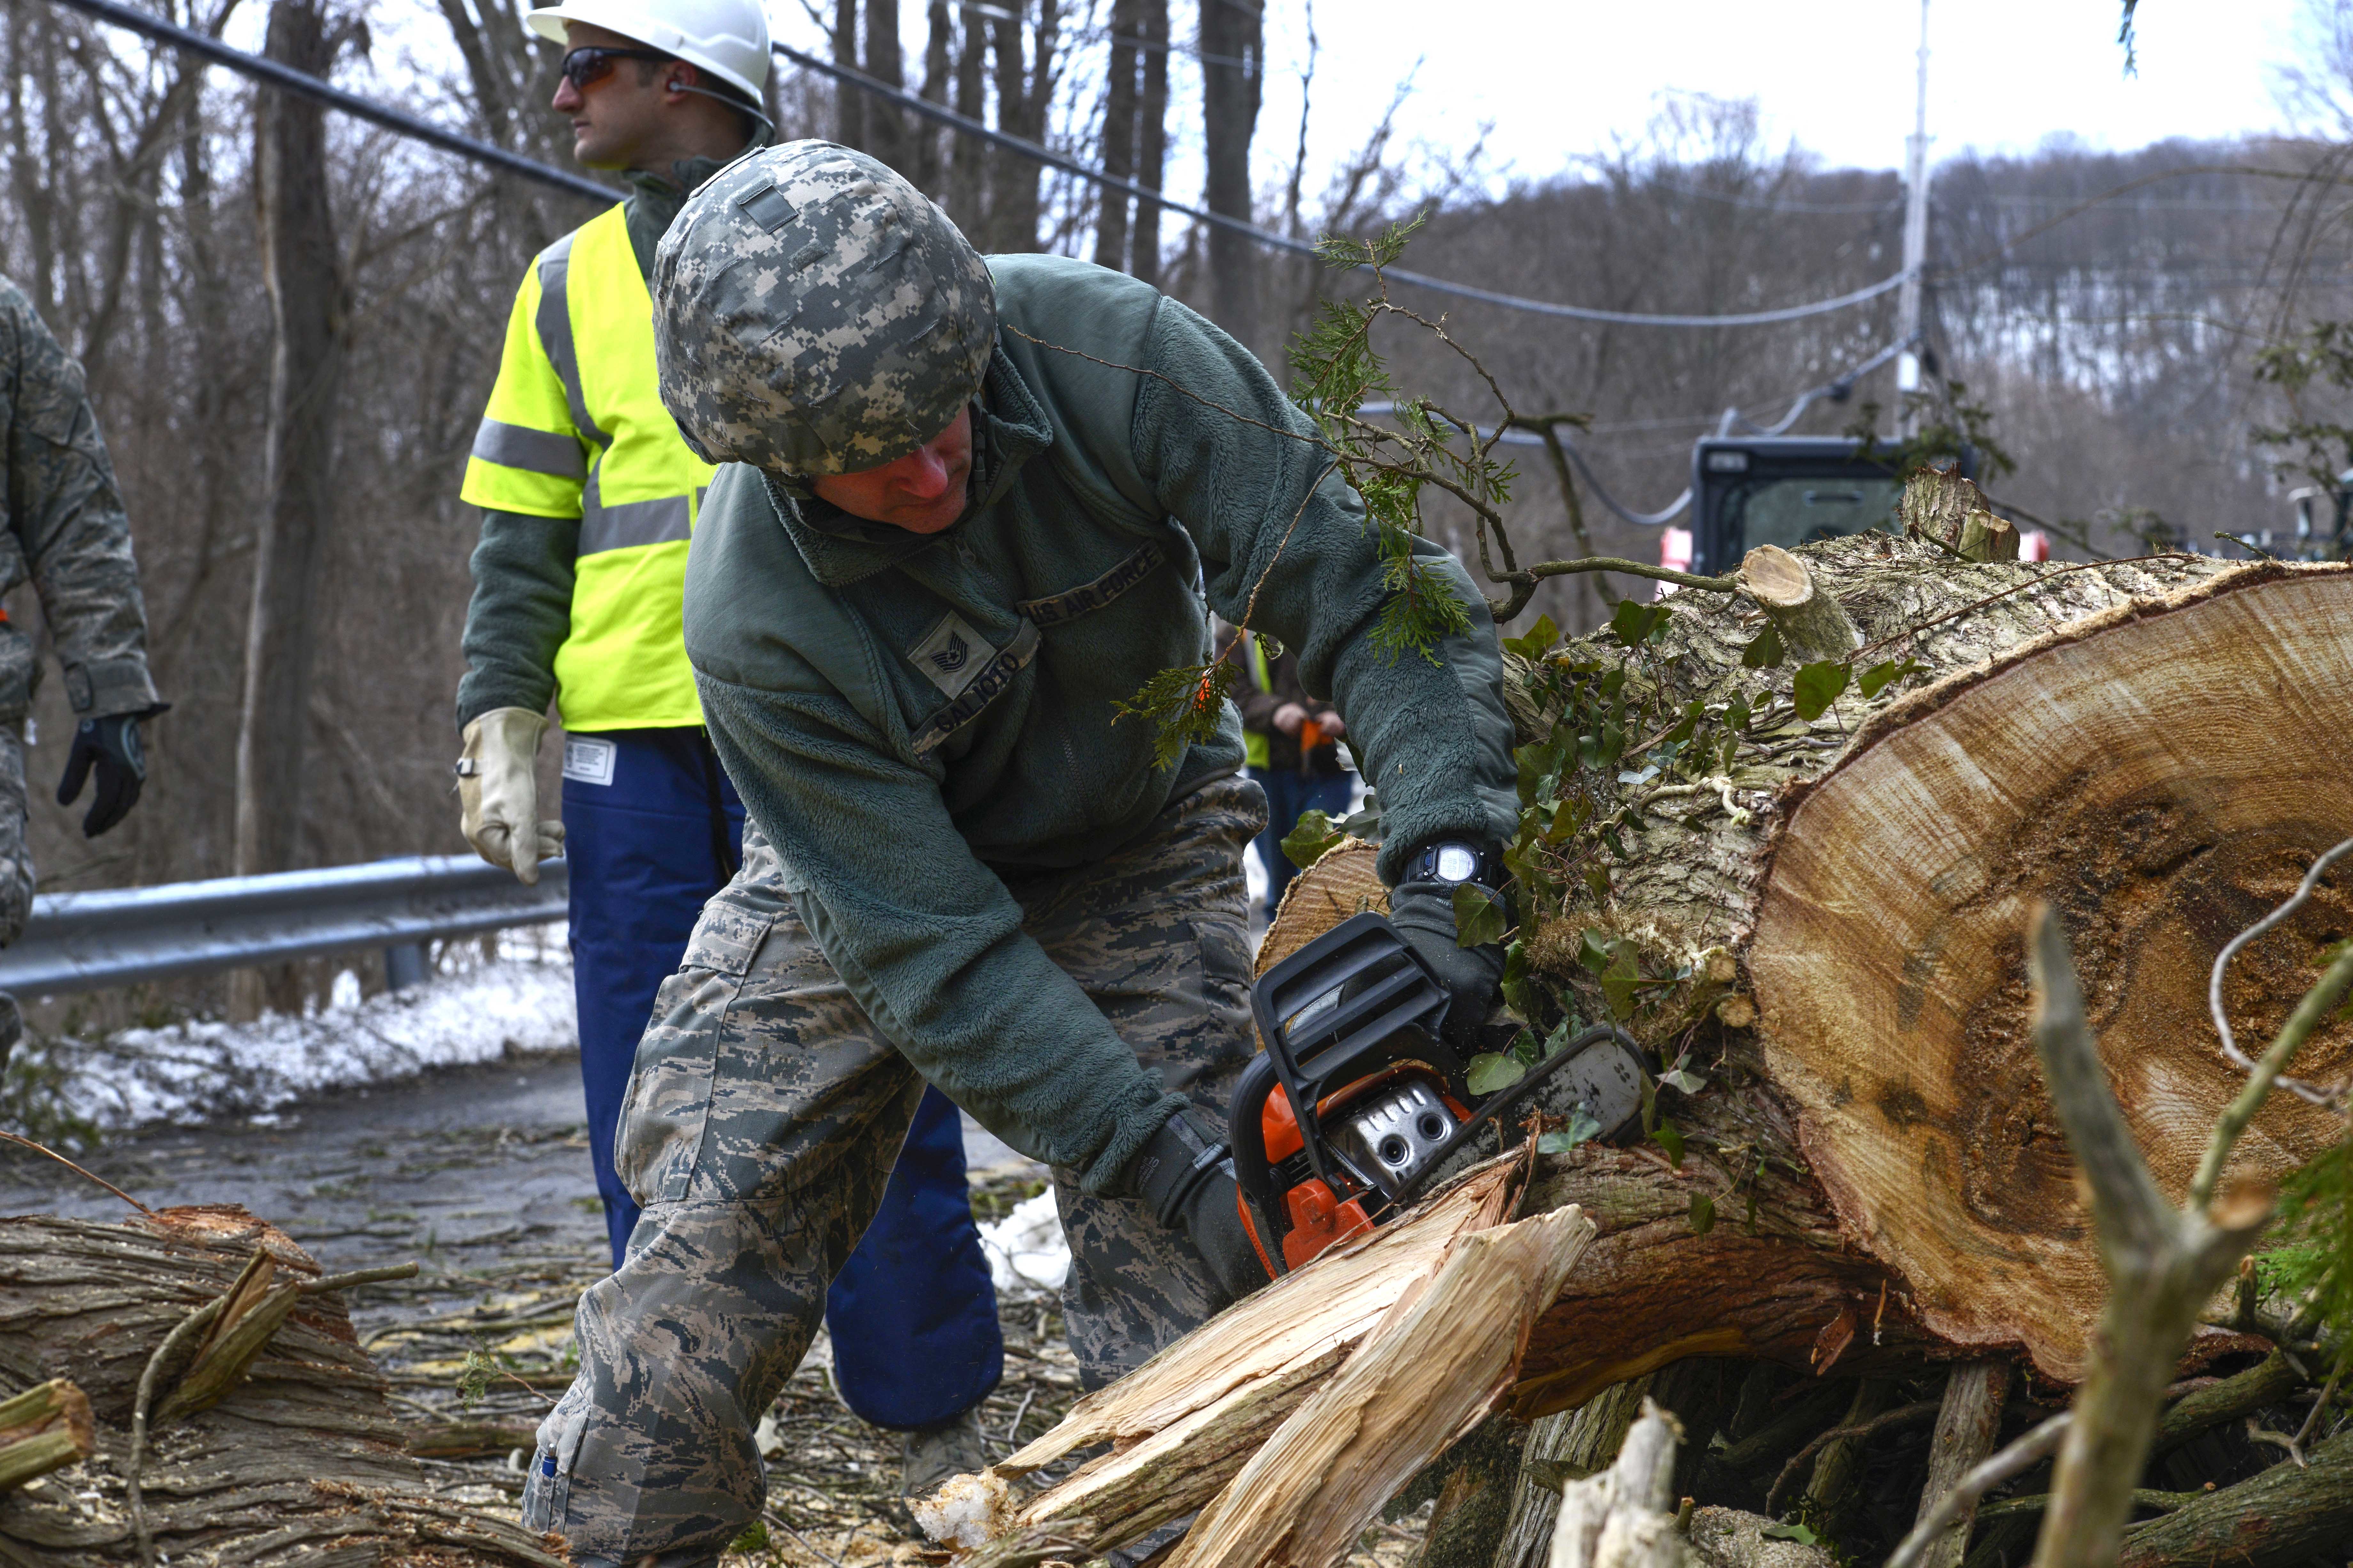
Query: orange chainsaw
{"points": [[1357, 1101]]}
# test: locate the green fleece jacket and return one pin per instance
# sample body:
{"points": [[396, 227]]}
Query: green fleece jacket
{"points": [[906, 716]]}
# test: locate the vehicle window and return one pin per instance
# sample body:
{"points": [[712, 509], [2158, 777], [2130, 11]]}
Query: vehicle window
{"points": [[1794, 512]]}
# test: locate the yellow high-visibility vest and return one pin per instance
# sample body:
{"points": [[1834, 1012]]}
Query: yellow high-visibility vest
{"points": [[575, 427], [1254, 748]]}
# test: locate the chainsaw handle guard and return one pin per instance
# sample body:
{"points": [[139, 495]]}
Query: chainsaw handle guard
{"points": [[1246, 1134], [1505, 1100]]}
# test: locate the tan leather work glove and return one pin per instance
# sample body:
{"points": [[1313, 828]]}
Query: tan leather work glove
{"points": [[498, 792]]}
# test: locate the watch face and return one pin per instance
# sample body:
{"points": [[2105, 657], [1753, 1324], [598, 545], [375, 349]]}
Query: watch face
{"points": [[1457, 863]]}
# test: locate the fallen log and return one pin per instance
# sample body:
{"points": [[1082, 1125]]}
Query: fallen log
{"points": [[1880, 1163], [263, 1447], [2290, 1514], [1853, 1165]]}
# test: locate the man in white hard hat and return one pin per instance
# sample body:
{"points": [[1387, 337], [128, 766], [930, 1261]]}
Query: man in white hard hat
{"points": [[588, 496]]}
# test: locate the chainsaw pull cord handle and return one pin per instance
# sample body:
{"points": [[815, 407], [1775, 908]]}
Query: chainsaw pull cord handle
{"points": [[1506, 1099]]}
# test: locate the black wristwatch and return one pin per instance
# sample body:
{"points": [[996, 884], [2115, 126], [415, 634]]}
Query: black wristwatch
{"points": [[1455, 863]]}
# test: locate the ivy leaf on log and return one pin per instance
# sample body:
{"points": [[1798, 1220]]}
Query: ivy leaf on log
{"points": [[1764, 653], [1636, 623], [1819, 685], [1536, 642], [1667, 1136], [1311, 840], [1581, 1129], [1702, 1213], [1478, 917], [1490, 1070], [1883, 674]]}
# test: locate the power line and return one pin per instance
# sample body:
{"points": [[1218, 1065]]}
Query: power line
{"points": [[1837, 390], [1023, 147], [288, 80]]}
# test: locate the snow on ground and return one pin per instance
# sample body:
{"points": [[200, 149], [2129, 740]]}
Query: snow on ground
{"points": [[1028, 1254], [206, 1069]]}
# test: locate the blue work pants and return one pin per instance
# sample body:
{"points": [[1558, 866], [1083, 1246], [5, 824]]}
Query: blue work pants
{"points": [[1291, 795], [652, 828]]}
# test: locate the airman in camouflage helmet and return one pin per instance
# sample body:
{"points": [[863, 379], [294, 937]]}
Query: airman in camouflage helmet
{"points": [[973, 509], [815, 314]]}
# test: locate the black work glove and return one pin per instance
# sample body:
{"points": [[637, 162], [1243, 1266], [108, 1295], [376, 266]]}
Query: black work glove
{"points": [[112, 746], [1184, 1176], [1424, 912]]}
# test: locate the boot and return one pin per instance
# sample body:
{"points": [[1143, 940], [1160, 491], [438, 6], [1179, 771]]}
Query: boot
{"points": [[930, 1455]]}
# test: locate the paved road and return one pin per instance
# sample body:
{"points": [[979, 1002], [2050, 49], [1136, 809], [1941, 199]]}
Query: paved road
{"points": [[467, 1169]]}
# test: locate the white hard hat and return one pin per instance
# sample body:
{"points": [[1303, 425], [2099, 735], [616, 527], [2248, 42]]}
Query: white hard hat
{"points": [[729, 38]]}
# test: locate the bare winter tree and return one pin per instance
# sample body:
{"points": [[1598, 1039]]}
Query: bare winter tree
{"points": [[1233, 71]]}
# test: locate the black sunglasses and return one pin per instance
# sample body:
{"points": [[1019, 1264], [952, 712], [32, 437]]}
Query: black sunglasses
{"points": [[583, 67]]}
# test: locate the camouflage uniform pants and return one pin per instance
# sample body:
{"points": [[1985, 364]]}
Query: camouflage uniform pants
{"points": [[15, 854], [761, 1125]]}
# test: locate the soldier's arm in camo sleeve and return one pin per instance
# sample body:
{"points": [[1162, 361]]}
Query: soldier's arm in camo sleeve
{"points": [[925, 936], [1284, 538], [68, 516]]}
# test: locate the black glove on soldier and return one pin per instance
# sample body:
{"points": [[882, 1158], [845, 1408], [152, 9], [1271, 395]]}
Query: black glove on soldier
{"points": [[112, 746], [1184, 1176], [1424, 911]]}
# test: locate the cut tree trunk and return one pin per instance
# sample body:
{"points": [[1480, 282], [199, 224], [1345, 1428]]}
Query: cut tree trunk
{"points": [[2157, 749], [263, 1447]]}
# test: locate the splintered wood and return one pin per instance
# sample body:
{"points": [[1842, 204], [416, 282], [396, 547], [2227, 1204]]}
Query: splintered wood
{"points": [[1322, 1393]]}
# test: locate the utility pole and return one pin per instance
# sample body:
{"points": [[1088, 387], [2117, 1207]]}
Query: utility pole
{"points": [[1915, 249]]}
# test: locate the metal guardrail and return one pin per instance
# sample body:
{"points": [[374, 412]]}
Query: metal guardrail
{"points": [[84, 942]]}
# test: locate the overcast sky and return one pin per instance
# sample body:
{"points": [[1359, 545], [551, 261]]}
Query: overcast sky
{"points": [[1560, 79]]}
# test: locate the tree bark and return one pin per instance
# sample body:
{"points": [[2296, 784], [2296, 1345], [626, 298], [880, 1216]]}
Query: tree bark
{"points": [[1624, 1517], [2290, 1514], [1810, 624], [849, 104], [1966, 1428], [1119, 133], [939, 69], [303, 270], [286, 1443], [1233, 68], [1570, 1444], [969, 159], [1024, 89], [1151, 140], [886, 123], [44, 1429]]}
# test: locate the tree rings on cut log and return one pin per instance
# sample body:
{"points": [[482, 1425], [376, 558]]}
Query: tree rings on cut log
{"points": [[1340, 885], [2163, 773]]}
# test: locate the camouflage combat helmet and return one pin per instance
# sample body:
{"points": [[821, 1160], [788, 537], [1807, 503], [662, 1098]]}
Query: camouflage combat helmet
{"points": [[814, 314]]}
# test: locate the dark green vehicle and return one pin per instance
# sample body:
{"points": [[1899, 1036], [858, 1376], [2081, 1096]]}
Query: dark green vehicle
{"points": [[1785, 491]]}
